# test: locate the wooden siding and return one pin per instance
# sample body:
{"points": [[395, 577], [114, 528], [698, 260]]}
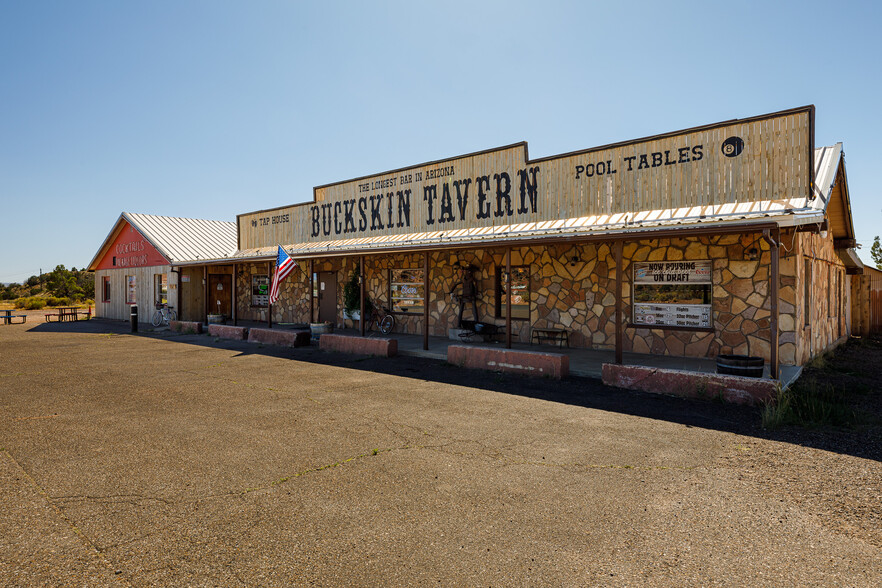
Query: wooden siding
{"points": [[117, 308], [669, 172]]}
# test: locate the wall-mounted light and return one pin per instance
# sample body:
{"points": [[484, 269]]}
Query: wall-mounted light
{"points": [[752, 254]]}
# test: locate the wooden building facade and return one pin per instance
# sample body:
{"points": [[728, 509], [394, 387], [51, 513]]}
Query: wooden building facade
{"points": [[730, 238]]}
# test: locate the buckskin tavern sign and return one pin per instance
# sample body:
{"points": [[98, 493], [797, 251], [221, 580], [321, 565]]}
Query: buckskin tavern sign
{"points": [[760, 159]]}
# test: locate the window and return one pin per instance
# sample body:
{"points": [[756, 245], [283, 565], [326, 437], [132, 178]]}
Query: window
{"points": [[672, 293], [160, 290], [260, 285], [407, 291], [131, 290], [520, 293], [105, 289], [807, 291]]}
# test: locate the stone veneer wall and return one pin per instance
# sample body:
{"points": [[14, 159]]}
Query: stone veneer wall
{"points": [[579, 295], [828, 321]]}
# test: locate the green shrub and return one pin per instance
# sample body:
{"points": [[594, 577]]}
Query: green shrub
{"points": [[36, 304], [31, 303], [53, 301]]}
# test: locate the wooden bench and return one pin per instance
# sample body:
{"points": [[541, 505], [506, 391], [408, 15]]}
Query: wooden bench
{"points": [[49, 316], [559, 336]]}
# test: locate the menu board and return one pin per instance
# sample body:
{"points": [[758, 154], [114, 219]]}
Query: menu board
{"points": [[675, 315], [673, 294]]}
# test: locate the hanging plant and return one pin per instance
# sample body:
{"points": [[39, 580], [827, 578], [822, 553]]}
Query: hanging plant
{"points": [[352, 296]]}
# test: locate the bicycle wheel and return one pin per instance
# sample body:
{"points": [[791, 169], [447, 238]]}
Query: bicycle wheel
{"points": [[157, 318], [172, 315], [387, 324]]}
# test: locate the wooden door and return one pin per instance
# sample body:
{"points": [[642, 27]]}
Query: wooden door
{"points": [[327, 295], [220, 294]]}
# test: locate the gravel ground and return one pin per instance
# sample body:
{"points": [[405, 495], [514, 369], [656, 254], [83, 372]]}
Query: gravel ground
{"points": [[164, 460]]}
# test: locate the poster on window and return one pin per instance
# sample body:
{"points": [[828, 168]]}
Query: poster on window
{"points": [[260, 286], [407, 292], [672, 294], [131, 290]]}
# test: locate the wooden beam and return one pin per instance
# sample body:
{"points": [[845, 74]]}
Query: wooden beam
{"points": [[269, 306], [426, 300], [844, 243], [235, 294], [774, 278], [619, 343], [311, 291], [508, 298], [205, 294], [361, 311]]}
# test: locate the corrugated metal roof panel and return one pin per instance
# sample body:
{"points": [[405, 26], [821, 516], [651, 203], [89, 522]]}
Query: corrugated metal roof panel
{"points": [[826, 164], [186, 239]]}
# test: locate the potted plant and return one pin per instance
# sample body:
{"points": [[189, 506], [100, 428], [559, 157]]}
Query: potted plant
{"points": [[352, 299], [318, 329], [216, 318]]}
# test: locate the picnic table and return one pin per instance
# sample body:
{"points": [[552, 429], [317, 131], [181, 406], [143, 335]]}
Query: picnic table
{"points": [[67, 313], [6, 316]]}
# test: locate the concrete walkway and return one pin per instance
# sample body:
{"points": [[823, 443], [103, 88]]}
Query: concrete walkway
{"points": [[583, 362]]}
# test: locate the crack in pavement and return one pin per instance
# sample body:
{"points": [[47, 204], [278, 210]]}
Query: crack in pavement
{"points": [[84, 539]]}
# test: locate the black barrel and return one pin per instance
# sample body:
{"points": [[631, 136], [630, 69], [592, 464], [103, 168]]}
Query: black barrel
{"points": [[740, 365], [134, 318]]}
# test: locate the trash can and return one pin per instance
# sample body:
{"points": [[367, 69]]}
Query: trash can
{"points": [[134, 318]]}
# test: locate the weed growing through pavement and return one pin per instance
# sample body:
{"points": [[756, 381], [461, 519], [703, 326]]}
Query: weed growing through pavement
{"points": [[808, 403]]}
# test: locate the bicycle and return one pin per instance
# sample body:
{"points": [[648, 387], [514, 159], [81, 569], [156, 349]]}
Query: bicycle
{"points": [[382, 319], [164, 313]]}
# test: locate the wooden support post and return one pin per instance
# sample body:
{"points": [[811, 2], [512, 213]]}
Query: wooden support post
{"points": [[361, 279], [311, 291], [426, 300], [774, 278], [180, 297], [205, 294], [269, 305], [235, 294], [508, 298], [619, 343]]}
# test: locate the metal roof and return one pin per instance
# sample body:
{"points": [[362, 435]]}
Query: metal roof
{"points": [[826, 165], [178, 239]]}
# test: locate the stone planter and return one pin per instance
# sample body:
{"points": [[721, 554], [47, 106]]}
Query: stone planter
{"points": [[216, 319]]}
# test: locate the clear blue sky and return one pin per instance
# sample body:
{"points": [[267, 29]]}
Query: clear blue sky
{"points": [[207, 109]]}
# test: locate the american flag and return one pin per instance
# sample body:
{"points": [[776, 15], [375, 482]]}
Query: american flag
{"points": [[284, 266]]}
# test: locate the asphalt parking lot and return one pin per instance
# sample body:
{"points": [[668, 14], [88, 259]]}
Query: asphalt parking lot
{"points": [[160, 460]]}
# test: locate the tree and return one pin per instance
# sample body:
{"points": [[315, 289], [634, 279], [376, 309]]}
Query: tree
{"points": [[876, 252]]}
